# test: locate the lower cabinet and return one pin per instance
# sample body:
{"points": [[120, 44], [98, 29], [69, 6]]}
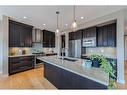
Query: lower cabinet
{"points": [[19, 64], [63, 79]]}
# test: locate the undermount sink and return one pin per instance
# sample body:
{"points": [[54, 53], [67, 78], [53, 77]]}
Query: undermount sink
{"points": [[68, 59]]}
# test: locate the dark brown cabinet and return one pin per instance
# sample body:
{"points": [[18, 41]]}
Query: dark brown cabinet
{"points": [[48, 39], [106, 35], [78, 34], [64, 79], [89, 32], [112, 35], [20, 35], [75, 35], [19, 64], [72, 36]]}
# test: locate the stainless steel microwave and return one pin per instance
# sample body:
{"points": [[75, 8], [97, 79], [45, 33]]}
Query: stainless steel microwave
{"points": [[89, 42]]}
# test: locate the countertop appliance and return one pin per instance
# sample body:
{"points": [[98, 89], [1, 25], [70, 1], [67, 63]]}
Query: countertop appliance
{"points": [[89, 42]]}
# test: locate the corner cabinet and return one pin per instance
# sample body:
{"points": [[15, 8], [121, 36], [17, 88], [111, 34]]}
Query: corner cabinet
{"points": [[64, 79], [20, 35], [48, 39]]}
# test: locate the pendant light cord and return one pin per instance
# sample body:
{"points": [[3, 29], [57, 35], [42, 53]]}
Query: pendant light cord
{"points": [[57, 18], [74, 13]]}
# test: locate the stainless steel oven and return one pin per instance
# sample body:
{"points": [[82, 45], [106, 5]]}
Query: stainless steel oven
{"points": [[38, 62]]}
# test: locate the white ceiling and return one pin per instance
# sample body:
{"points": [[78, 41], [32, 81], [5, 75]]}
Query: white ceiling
{"points": [[39, 15]]}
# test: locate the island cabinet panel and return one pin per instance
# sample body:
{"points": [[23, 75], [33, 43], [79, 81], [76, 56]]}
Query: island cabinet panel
{"points": [[53, 74], [64, 79]]}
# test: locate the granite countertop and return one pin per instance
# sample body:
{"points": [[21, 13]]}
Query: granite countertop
{"points": [[95, 74], [21, 55]]}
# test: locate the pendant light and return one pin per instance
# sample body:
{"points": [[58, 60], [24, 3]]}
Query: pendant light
{"points": [[57, 29], [74, 24]]}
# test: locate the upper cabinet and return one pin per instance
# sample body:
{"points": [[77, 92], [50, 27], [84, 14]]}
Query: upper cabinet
{"points": [[37, 36], [106, 35], [89, 32], [75, 35], [20, 35], [48, 38], [72, 36]]}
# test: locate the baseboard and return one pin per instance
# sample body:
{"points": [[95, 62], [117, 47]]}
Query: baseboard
{"points": [[121, 81]]}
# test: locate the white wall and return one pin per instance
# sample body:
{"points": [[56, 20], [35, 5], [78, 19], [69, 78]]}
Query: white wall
{"points": [[119, 16], [125, 47], [5, 45], [1, 44]]}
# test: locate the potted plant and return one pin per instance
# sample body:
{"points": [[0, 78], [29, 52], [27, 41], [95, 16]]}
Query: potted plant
{"points": [[95, 60], [106, 66]]}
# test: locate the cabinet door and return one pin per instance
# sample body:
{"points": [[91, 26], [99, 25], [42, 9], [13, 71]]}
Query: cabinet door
{"points": [[112, 35], [78, 34], [89, 32], [48, 39], [14, 34], [72, 36], [45, 39], [93, 32], [100, 36], [26, 37], [51, 39], [105, 36]]}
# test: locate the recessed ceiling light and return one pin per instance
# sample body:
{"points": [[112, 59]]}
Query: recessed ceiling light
{"points": [[82, 17], [66, 24], [24, 17], [44, 24]]}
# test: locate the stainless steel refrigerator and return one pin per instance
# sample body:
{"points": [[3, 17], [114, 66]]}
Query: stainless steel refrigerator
{"points": [[75, 48]]}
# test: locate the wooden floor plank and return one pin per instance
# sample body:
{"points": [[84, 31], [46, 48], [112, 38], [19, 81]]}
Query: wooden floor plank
{"points": [[31, 79]]}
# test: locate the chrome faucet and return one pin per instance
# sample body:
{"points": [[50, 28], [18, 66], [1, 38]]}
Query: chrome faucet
{"points": [[63, 50]]}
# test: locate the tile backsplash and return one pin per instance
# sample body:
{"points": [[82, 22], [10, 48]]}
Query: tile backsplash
{"points": [[106, 51], [37, 47]]}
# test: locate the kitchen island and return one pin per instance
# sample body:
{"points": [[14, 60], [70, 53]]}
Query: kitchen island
{"points": [[66, 74]]}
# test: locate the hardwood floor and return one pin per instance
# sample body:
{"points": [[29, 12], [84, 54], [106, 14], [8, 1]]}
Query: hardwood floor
{"points": [[31, 79], [123, 86], [34, 79]]}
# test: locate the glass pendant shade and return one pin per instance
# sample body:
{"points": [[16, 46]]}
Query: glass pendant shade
{"points": [[57, 30], [74, 24]]}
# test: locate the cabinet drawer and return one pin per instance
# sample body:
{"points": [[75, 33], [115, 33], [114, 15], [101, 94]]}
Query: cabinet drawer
{"points": [[19, 64], [28, 58], [14, 60]]}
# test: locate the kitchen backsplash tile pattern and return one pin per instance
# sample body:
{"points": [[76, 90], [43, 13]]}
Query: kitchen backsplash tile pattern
{"points": [[106, 51], [37, 47]]}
